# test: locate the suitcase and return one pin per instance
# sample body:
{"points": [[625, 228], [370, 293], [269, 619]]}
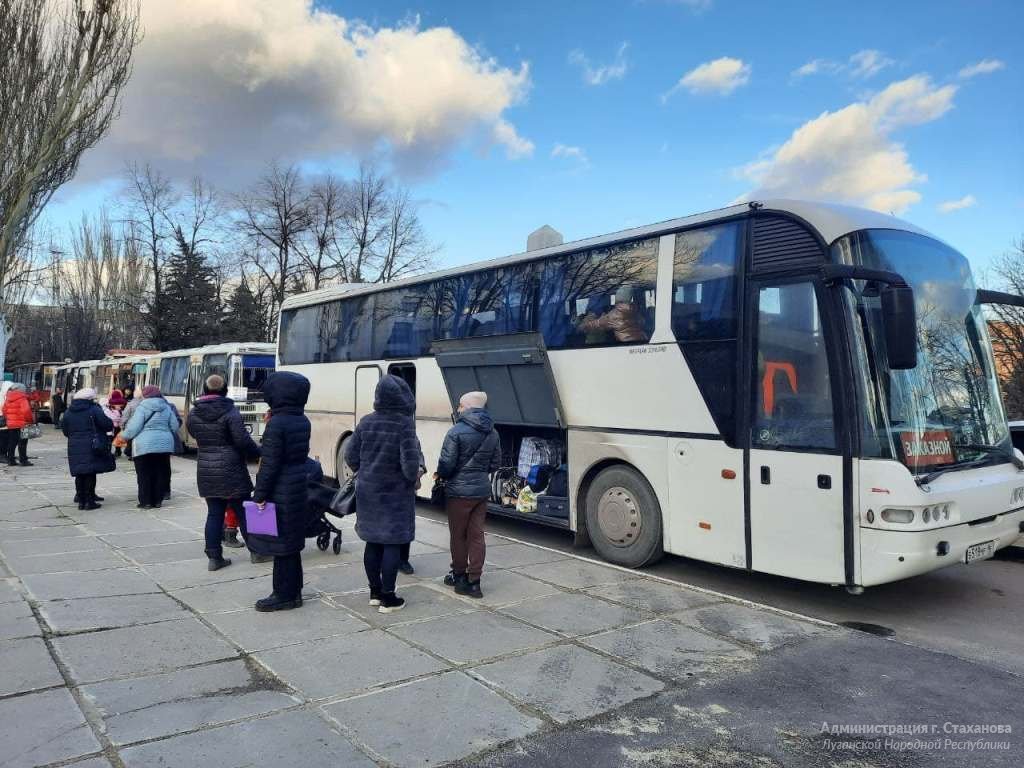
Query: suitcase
{"points": [[553, 506]]}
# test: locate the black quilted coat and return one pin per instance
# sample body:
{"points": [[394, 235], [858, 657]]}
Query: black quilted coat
{"points": [[83, 421], [224, 445], [282, 474], [385, 452], [470, 454]]}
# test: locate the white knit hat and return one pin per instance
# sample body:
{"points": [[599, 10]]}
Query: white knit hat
{"points": [[473, 400], [85, 394]]}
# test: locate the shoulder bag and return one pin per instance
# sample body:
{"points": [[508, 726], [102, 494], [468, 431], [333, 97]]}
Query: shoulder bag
{"points": [[438, 493], [31, 432]]}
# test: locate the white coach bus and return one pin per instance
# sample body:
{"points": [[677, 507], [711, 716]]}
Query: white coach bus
{"points": [[786, 387]]}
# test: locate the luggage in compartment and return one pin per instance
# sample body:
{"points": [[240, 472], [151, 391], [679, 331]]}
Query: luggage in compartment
{"points": [[538, 451], [553, 506]]}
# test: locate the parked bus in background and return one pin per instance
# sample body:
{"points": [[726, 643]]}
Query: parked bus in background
{"points": [[180, 375], [38, 379], [786, 387], [72, 377], [120, 370]]}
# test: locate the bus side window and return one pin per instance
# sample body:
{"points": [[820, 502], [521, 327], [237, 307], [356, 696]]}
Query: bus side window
{"points": [[406, 372]]}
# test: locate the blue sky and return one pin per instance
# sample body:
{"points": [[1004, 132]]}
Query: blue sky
{"points": [[590, 129]]}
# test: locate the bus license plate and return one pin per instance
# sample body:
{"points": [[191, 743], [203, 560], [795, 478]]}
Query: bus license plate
{"points": [[980, 551]]}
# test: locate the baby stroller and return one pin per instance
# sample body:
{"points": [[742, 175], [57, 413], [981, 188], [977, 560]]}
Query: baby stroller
{"points": [[320, 497]]}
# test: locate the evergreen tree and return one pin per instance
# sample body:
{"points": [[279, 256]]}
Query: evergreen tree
{"points": [[188, 303], [243, 317]]}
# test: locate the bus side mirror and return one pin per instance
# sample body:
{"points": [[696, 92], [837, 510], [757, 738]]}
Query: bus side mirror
{"points": [[900, 321]]}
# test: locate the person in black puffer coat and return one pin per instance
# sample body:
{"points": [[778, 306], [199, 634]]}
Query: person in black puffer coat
{"points": [[470, 454], [385, 452], [221, 472], [282, 480], [86, 426]]}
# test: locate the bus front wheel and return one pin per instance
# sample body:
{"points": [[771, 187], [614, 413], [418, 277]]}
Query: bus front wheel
{"points": [[341, 469], [624, 518]]}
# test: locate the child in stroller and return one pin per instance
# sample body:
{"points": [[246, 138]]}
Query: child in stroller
{"points": [[320, 496]]}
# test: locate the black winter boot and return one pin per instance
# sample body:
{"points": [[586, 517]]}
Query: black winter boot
{"points": [[254, 558], [216, 560], [277, 603], [231, 538], [452, 578], [468, 588], [390, 602]]}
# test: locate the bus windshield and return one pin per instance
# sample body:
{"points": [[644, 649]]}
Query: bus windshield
{"points": [[946, 411]]}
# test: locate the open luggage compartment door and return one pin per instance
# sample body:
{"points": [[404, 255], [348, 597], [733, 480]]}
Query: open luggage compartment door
{"points": [[513, 370]]}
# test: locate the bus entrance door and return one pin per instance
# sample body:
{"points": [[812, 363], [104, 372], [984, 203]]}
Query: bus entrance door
{"points": [[367, 377]]}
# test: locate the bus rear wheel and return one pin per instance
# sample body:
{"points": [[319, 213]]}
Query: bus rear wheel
{"points": [[624, 518]]}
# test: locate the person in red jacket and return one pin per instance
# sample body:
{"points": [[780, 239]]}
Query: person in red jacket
{"points": [[18, 412]]}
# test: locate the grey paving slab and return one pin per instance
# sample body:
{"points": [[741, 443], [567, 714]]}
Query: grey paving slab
{"points": [[123, 522], [131, 540], [576, 574], [43, 728], [421, 602], [192, 573], [10, 591], [24, 532], [762, 629], [170, 553], [471, 637], [57, 586], [254, 631], [431, 566], [40, 512], [91, 762], [340, 666], [298, 738], [338, 579], [423, 548], [78, 562], [16, 620], [504, 587], [231, 595], [160, 705], [568, 683], [434, 534], [653, 596], [27, 666], [443, 718], [141, 650], [670, 650], [51, 546], [107, 612], [573, 613], [513, 555]]}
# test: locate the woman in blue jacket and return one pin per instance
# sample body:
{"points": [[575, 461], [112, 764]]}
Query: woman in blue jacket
{"points": [[151, 429]]}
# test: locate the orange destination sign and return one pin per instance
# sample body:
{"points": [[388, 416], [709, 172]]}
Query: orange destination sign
{"points": [[927, 448]]}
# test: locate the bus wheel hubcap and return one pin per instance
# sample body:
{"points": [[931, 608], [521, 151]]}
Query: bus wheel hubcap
{"points": [[619, 517]]}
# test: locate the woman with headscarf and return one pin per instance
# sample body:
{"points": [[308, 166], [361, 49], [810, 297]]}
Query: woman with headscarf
{"points": [[281, 479], [386, 453], [151, 430], [17, 411], [86, 426], [115, 412]]}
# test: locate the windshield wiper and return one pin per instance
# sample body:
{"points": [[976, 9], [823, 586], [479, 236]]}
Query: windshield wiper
{"points": [[1000, 450], [993, 451]]}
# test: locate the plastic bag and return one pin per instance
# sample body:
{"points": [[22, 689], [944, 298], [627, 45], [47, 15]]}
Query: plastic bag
{"points": [[527, 501]]}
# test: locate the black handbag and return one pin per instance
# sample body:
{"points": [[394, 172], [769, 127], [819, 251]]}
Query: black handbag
{"points": [[100, 443], [344, 501]]}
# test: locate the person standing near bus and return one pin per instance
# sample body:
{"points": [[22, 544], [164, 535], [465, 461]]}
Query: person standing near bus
{"points": [[18, 414], [86, 426], [5, 433], [151, 430], [470, 454], [386, 453], [57, 407], [221, 472], [281, 479]]}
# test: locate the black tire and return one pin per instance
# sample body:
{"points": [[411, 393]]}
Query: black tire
{"points": [[323, 541], [337, 544], [631, 534], [341, 469]]}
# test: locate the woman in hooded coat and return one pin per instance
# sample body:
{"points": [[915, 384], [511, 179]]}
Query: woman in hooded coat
{"points": [[5, 387], [386, 453], [86, 426], [281, 479], [17, 411], [152, 429]]}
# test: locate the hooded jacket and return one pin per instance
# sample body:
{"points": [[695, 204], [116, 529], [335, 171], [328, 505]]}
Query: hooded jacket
{"points": [[17, 409], [282, 473], [84, 421], [224, 445], [152, 427], [385, 451], [470, 454]]}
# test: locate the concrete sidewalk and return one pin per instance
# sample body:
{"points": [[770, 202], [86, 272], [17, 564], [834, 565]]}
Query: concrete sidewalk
{"points": [[118, 647]]}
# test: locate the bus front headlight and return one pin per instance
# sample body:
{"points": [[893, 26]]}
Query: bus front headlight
{"points": [[902, 516]]}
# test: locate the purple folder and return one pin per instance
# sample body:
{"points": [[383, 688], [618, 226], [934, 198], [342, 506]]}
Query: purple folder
{"points": [[256, 521]]}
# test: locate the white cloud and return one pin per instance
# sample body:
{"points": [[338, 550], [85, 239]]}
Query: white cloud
{"points": [[721, 76], [601, 74], [576, 154], [868, 63], [850, 155], [983, 67], [967, 201], [814, 66], [222, 86]]}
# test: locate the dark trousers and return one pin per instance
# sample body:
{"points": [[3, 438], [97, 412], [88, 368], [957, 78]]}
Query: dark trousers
{"points": [[466, 518], [288, 576], [403, 552], [85, 488], [215, 511], [15, 443], [151, 472], [381, 563]]}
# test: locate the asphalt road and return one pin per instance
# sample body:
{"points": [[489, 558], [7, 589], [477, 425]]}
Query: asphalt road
{"points": [[974, 612]]}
